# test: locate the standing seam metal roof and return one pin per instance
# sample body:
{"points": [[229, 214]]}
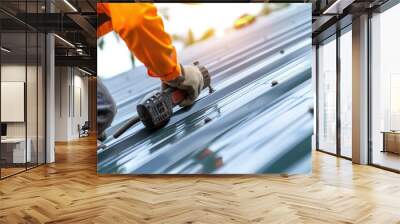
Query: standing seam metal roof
{"points": [[249, 125]]}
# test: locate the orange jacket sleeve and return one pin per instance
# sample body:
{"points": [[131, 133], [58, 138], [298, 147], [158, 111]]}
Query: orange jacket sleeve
{"points": [[143, 32]]}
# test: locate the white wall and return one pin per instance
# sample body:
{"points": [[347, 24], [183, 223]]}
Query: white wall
{"points": [[33, 127], [71, 94], [12, 73], [81, 84], [61, 103]]}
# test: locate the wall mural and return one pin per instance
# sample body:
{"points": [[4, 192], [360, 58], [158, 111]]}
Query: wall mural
{"points": [[184, 93]]}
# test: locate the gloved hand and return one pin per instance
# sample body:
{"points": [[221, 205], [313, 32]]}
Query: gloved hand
{"points": [[191, 81]]}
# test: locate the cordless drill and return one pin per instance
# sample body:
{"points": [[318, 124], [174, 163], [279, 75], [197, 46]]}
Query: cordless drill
{"points": [[156, 110]]}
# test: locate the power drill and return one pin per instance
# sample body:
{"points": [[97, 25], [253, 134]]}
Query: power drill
{"points": [[156, 110]]}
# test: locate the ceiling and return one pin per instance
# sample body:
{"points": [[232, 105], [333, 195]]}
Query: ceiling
{"points": [[74, 22], [328, 15]]}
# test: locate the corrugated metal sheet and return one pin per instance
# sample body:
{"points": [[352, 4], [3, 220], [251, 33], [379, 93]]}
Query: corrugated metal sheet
{"points": [[247, 126]]}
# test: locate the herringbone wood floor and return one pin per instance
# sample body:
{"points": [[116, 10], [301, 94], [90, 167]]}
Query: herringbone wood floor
{"points": [[70, 191]]}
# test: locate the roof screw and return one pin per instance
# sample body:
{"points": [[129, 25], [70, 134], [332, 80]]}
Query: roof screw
{"points": [[207, 119], [274, 83], [282, 51]]}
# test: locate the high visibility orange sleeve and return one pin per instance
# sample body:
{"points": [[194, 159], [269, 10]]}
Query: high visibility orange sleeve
{"points": [[143, 32], [104, 24]]}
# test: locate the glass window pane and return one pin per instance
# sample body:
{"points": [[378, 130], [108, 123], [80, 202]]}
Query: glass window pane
{"points": [[13, 86], [32, 97], [22, 63], [386, 89], [41, 98], [346, 94], [327, 97], [32, 87], [15, 150]]}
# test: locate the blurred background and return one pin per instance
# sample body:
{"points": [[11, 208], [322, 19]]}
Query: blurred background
{"points": [[181, 21]]}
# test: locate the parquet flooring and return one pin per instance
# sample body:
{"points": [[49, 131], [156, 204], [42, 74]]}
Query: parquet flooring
{"points": [[11, 170], [70, 191]]}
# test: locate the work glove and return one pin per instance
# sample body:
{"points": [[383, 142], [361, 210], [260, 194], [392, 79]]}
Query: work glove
{"points": [[190, 80]]}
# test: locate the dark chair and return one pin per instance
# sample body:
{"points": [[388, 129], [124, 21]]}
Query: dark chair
{"points": [[84, 130]]}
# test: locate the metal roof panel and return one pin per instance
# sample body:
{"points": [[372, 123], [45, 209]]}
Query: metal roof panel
{"points": [[259, 119]]}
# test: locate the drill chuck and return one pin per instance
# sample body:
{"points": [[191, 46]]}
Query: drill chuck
{"points": [[206, 76], [156, 110]]}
